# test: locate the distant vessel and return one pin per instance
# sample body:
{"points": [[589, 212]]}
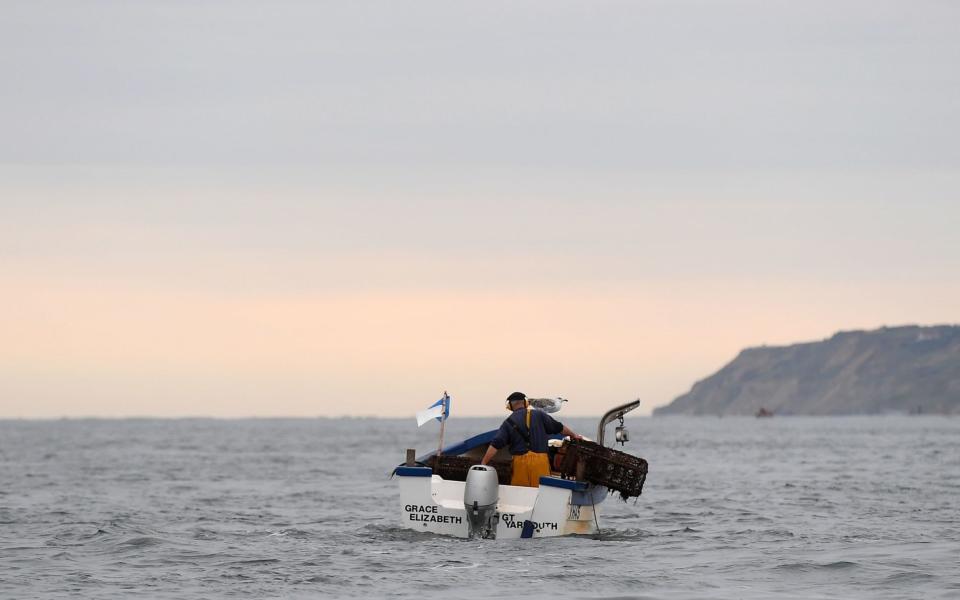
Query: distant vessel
{"points": [[450, 493], [763, 412]]}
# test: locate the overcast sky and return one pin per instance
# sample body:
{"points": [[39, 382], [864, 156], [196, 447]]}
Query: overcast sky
{"points": [[302, 208]]}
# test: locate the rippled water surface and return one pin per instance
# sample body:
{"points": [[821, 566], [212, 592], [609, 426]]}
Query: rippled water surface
{"points": [[733, 508]]}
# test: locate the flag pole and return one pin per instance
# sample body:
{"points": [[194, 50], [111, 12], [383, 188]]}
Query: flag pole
{"points": [[443, 420]]}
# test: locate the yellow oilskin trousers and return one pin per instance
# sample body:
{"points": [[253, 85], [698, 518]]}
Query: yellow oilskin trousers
{"points": [[528, 468]]}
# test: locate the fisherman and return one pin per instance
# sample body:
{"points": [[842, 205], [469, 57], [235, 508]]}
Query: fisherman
{"points": [[526, 431]]}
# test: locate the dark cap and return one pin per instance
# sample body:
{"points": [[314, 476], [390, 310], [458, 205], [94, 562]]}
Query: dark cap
{"points": [[516, 397]]}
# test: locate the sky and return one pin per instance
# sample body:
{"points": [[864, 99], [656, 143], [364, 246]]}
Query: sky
{"points": [[321, 209]]}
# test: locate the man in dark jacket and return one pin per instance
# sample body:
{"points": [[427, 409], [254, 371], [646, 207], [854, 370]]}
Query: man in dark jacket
{"points": [[526, 431]]}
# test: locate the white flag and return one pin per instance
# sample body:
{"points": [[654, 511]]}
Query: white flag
{"points": [[439, 410], [433, 412]]}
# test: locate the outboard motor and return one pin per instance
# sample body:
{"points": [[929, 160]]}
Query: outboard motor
{"points": [[480, 496]]}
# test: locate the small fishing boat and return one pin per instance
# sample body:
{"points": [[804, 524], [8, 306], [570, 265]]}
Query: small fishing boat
{"points": [[450, 493]]}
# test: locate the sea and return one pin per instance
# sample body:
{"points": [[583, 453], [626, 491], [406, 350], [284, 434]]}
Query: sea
{"points": [[733, 508]]}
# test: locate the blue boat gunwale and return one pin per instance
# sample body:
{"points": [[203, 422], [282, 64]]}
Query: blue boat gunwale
{"points": [[582, 492], [455, 450], [567, 484], [470, 443], [463, 446], [405, 471]]}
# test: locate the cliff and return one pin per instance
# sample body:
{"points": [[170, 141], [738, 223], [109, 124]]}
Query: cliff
{"points": [[893, 369]]}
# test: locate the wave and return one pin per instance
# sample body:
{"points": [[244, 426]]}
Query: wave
{"points": [[807, 566]]}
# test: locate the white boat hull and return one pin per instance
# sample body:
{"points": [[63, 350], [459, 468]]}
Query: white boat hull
{"points": [[558, 507]]}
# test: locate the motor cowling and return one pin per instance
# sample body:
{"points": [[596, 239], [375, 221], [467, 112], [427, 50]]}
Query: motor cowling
{"points": [[480, 496]]}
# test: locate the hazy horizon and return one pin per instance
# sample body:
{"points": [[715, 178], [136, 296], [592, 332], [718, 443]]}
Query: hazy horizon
{"points": [[229, 209]]}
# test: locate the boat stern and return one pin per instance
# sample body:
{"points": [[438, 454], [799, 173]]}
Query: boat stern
{"points": [[558, 507]]}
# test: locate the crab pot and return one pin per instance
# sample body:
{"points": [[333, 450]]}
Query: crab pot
{"points": [[617, 471]]}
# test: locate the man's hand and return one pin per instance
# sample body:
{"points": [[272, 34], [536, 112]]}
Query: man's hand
{"points": [[491, 452]]}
